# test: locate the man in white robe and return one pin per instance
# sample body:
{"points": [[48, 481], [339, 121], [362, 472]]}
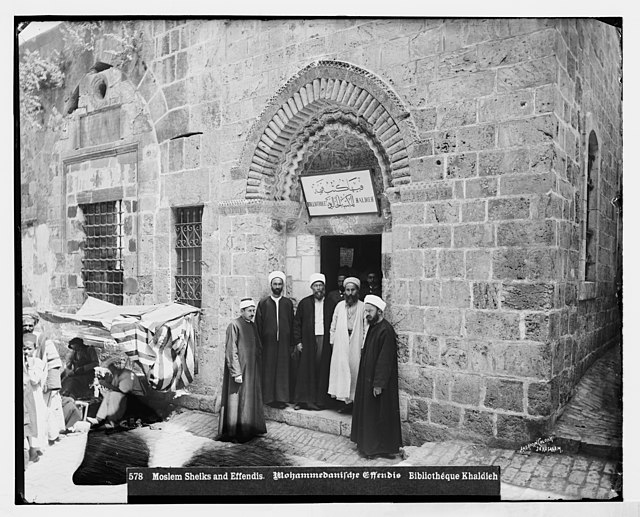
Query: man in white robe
{"points": [[348, 328]]}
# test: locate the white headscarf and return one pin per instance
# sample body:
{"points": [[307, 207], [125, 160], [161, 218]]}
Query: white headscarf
{"points": [[277, 274], [317, 277], [351, 280], [247, 302], [375, 301]]}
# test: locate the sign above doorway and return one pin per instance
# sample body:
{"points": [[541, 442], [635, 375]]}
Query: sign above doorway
{"points": [[339, 193]]}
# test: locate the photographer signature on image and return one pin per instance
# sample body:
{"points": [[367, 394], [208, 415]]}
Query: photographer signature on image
{"points": [[542, 445]]}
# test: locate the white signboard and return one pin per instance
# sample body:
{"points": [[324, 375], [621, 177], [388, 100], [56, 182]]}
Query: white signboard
{"points": [[339, 193]]}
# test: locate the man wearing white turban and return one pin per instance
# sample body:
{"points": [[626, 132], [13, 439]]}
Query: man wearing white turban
{"points": [[241, 412], [311, 334], [375, 426], [347, 332], [274, 320]]}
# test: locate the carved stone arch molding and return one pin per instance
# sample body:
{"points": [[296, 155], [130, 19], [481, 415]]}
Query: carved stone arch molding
{"points": [[325, 93]]}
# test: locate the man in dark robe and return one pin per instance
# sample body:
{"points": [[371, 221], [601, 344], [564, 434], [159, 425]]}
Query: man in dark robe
{"points": [[372, 285], [79, 372], [241, 413], [375, 426], [274, 320], [311, 327], [337, 295]]}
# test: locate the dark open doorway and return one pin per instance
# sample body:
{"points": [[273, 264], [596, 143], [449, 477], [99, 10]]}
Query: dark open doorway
{"points": [[359, 253]]}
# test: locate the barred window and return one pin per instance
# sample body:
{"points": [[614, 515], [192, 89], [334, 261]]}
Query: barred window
{"points": [[102, 270], [189, 255]]}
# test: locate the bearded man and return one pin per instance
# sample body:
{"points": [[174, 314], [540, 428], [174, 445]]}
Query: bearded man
{"points": [[375, 426], [311, 328], [274, 320], [347, 332]]}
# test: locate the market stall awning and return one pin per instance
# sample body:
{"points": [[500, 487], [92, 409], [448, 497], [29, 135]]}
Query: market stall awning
{"points": [[101, 314]]}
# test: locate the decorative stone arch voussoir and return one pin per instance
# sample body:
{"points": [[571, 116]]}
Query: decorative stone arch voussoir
{"points": [[322, 93]]}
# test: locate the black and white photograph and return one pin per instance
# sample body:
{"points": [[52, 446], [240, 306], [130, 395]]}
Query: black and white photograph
{"points": [[318, 259]]}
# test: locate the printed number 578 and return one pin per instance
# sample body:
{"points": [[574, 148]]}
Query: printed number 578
{"points": [[135, 476]]}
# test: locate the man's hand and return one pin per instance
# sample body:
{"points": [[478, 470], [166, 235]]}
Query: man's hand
{"points": [[238, 379], [377, 391], [299, 347]]}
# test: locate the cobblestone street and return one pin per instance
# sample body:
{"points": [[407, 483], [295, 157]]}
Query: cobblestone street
{"points": [[186, 439]]}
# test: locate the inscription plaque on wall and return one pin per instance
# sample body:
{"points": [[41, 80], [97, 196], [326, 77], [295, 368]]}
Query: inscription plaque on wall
{"points": [[100, 127], [339, 193]]}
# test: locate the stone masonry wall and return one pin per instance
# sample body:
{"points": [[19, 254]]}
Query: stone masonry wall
{"points": [[481, 242], [587, 93]]}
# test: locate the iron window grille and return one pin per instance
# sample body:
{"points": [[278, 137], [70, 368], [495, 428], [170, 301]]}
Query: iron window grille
{"points": [[189, 255], [102, 269]]}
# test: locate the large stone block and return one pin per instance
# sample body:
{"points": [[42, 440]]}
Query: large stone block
{"points": [[403, 350], [455, 293], [473, 236], [527, 233], [517, 49], [519, 429], [538, 130], [451, 264], [429, 293], [486, 295], [499, 108], [443, 322], [407, 213], [521, 359], [445, 212], [429, 263], [418, 410], [476, 138], [528, 74], [492, 325], [526, 264], [478, 264], [427, 168], [453, 354], [479, 422], [462, 86], [509, 208], [537, 326], [426, 350], [462, 166], [426, 43], [504, 394], [445, 414], [480, 187], [480, 356], [493, 163], [473, 211], [456, 114], [407, 318], [425, 119], [466, 389], [431, 236], [527, 184], [408, 264], [416, 381], [526, 296], [540, 399]]}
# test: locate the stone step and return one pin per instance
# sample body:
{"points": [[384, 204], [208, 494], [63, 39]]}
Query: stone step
{"points": [[326, 421]]}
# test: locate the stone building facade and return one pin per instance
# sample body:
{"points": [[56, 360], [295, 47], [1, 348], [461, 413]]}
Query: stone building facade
{"points": [[496, 154]]}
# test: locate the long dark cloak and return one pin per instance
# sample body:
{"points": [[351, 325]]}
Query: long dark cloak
{"points": [[241, 413], [276, 353], [312, 382], [375, 424]]}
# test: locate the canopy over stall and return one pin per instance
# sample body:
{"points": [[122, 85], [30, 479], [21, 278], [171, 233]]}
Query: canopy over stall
{"points": [[160, 338]]}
